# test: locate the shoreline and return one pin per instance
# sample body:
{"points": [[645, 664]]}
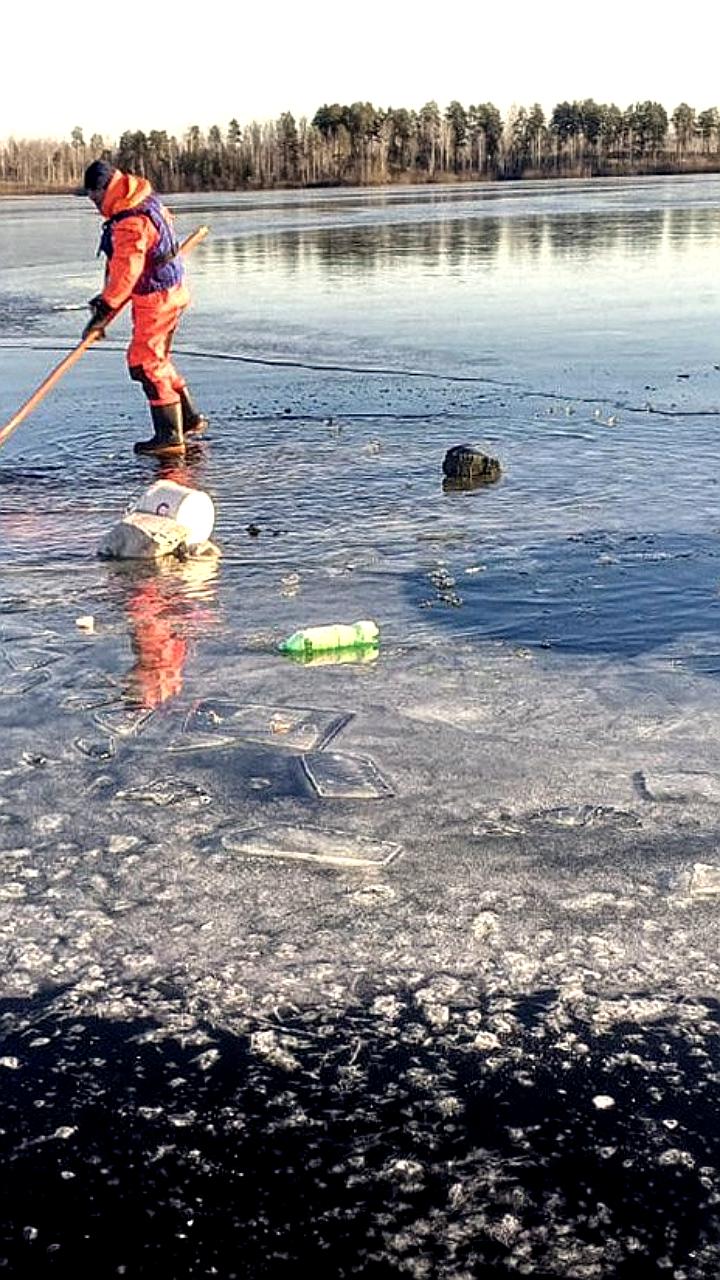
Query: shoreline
{"points": [[586, 173]]}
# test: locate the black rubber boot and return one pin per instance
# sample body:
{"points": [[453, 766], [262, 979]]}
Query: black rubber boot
{"points": [[192, 420], [167, 442]]}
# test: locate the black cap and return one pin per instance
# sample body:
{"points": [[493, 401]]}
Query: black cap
{"points": [[97, 175]]}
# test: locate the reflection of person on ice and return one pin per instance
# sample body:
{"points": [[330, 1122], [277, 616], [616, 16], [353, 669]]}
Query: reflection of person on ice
{"points": [[167, 609], [144, 264], [159, 645]]}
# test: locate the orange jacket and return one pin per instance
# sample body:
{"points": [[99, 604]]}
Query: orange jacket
{"points": [[132, 239]]}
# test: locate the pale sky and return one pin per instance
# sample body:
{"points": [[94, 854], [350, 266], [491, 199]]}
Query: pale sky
{"points": [[110, 66]]}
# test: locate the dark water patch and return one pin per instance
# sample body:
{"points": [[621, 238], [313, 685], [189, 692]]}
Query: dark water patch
{"points": [[597, 593], [358, 1142]]}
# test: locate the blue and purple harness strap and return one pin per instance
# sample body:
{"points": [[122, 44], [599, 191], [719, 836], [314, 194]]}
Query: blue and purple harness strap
{"points": [[164, 267]]}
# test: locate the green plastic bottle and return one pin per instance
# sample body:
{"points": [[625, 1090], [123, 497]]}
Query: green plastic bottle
{"points": [[311, 640]]}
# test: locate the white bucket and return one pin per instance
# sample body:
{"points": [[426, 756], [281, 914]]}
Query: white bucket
{"points": [[192, 508]]}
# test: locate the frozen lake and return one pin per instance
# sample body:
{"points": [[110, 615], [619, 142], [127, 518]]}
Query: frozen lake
{"points": [[488, 1043], [570, 329]]}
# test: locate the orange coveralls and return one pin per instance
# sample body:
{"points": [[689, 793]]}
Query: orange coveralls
{"points": [[154, 315]]}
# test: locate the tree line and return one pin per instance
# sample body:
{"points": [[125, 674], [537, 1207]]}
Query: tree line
{"points": [[362, 145]]}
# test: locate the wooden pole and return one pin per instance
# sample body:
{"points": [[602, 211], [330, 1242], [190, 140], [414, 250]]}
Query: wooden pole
{"points": [[61, 369]]}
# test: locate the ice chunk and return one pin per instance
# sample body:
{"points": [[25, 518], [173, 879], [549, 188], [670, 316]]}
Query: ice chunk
{"points": [[312, 844], [682, 785], [585, 815], [268, 1045], [126, 722], [603, 1102], [497, 822], [119, 843], [96, 748], [166, 791], [705, 880], [336, 776], [88, 700], [65, 1131], [31, 659], [216, 722], [21, 682]]}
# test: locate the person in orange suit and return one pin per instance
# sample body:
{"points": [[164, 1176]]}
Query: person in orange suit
{"points": [[144, 264]]}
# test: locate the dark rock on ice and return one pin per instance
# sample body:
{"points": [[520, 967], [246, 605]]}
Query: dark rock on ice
{"points": [[465, 466]]}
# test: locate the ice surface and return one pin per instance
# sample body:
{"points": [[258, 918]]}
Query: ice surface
{"points": [[213, 1007]]}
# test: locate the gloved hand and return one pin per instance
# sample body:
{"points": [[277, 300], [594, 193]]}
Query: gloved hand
{"points": [[101, 313]]}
